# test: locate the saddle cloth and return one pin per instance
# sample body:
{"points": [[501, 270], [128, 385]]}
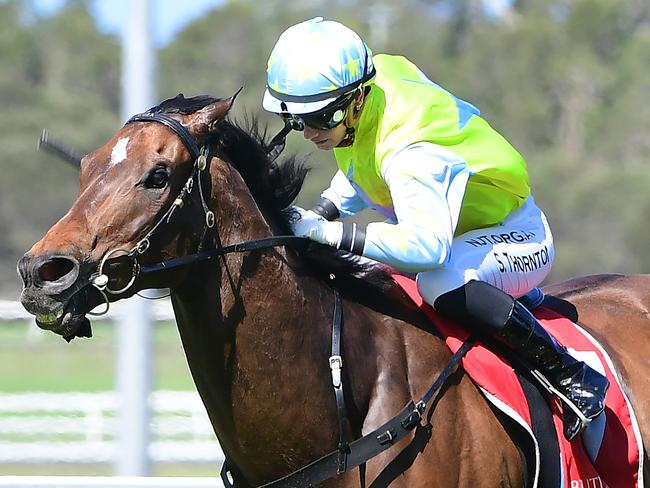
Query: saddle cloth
{"points": [[608, 454]]}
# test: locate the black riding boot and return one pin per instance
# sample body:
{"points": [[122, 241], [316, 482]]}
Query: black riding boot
{"points": [[582, 387], [485, 308]]}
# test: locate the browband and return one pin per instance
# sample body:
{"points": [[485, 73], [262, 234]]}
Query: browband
{"points": [[174, 125]]}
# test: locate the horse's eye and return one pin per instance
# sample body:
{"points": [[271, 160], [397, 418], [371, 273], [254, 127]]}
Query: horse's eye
{"points": [[157, 178]]}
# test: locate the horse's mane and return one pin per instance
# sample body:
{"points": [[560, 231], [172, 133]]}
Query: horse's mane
{"points": [[274, 188]]}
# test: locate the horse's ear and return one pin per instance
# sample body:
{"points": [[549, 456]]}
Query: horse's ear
{"points": [[205, 121]]}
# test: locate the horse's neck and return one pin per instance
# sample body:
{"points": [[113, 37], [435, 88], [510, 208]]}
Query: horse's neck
{"points": [[256, 336], [247, 297]]}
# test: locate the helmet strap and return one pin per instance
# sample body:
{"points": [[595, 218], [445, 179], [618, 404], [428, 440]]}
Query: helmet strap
{"points": [[354, 115], [348, 139]]}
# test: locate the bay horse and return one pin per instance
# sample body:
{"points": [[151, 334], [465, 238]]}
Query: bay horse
{"points": [[256, 326]]}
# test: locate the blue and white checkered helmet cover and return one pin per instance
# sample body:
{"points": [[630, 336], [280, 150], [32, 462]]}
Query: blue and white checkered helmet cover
{"points": [[314, 63]]}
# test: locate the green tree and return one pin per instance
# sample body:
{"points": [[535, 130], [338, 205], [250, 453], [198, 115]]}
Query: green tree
{"points": [[57, 72]]}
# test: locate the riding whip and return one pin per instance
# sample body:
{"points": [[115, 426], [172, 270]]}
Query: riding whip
{"points": [[53, 147]]}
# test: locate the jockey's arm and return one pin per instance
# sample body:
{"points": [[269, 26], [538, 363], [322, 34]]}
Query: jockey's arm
{"points": [[427, 184]]}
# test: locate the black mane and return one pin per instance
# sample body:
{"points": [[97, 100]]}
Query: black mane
{"points": [[273, 186]]}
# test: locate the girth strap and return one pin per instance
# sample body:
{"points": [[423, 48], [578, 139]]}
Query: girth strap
{"points": [[361, 451]]}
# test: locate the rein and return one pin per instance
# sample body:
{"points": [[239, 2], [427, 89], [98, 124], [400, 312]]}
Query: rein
{"points": [[253, 245], [348, 454]]}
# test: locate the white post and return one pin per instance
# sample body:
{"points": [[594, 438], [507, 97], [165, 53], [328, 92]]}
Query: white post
{"points": [[134, 331]]}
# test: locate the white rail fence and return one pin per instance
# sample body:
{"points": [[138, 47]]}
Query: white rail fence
{"points": [[106, 482], [82, 428], [161, 310]]}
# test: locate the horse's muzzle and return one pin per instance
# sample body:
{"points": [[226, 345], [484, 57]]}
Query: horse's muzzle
{"points": [[52, 274], [49, 292]]}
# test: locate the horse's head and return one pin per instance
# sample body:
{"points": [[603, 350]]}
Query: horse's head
{"points": [[129, 189]]}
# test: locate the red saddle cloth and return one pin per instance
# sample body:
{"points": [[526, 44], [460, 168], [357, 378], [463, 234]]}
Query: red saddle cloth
{"points": [[609, 453]]}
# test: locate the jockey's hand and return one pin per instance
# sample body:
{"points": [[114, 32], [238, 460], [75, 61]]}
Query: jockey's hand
{"points": [[302, 220], [308, 223]]}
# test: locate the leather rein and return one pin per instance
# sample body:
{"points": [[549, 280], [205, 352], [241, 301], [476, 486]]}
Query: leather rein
{"points": [[349, 454]]}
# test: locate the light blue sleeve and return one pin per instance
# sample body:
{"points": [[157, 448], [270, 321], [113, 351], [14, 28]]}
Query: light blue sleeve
{"points": [[342, 194], [427, 184]]}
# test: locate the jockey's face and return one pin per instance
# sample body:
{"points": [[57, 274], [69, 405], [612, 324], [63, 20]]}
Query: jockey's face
{"points": [[325, 139]]}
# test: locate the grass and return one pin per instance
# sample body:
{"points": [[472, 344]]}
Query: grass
{"points": [[36, 360]]}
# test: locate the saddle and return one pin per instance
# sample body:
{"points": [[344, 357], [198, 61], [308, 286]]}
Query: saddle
{"points": [[610, 451]]}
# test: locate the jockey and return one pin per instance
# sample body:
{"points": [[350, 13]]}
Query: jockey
{"points": [[456, 194]]}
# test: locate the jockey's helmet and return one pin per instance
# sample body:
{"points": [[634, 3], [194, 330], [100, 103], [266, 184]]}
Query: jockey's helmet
{"points": [[316, 65]]}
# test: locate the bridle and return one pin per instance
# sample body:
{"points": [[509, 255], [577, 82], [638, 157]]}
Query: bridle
{"points": [[199, 156], [100, 280]]}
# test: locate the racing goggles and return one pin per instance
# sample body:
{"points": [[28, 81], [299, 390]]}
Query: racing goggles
{"points": [[325, 119]]}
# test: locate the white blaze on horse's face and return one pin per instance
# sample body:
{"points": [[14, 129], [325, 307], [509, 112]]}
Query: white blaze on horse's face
{"points": [[119, 151]]}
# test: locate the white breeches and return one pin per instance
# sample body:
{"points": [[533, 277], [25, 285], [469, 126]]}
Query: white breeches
{"points": [[514, 256]]}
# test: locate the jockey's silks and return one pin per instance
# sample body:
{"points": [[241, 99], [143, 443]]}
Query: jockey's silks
{"points": [[404, 107]]}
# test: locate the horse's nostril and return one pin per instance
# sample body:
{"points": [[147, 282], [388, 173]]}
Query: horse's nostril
{"points": [[55, 269]]}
